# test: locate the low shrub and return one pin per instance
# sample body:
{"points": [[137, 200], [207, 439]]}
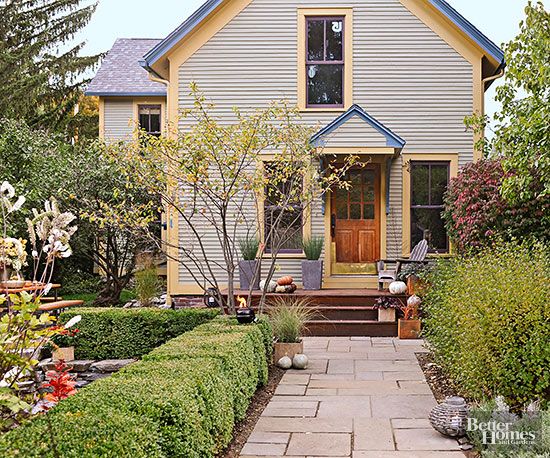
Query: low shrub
{"points": [[488, 321], [107, 333], [181, 400]]}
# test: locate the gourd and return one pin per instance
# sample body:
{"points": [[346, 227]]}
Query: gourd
{"points": [[398, 287], [287, 280], [414, 301], [269, 287]]}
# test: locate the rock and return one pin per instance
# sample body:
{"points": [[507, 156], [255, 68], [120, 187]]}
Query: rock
{"points": [[80, 365], [299, 361], [82, 383], [93, 376], [110, 365], [46, 365], [466, 447], [285, 363], [28, 386]]}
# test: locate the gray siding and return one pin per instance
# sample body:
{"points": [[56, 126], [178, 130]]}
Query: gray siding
{"points": [[118, 119], [404, 75], [355, 132]]}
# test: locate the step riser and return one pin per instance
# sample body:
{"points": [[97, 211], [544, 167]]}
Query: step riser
{"points": [[344, 329], [354, 315]]}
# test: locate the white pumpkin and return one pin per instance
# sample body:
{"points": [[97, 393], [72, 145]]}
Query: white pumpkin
{"points": [[414, 301], [285, 363], [299, 361], [270, 288], [398, 287]]}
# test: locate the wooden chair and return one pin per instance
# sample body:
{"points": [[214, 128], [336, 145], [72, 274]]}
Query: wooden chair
{"points": [[388, 269]]}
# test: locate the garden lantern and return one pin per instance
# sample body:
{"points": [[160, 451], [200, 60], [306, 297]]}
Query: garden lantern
{"points": [[450, 417], [245, 314]]}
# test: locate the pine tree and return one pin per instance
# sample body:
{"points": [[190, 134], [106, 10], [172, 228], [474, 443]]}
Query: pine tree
{"points": [[41, 70]]}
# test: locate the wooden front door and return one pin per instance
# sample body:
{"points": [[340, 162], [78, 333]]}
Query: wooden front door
{"points": [[355, 220]]}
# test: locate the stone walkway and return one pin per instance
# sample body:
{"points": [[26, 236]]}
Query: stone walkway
{"points": [[360, 397]]}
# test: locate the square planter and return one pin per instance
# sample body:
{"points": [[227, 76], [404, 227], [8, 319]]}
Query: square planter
{"points": [[312, 274], [386, 315], [408, 329], [247, 270], [287, 349], [65, 353]]}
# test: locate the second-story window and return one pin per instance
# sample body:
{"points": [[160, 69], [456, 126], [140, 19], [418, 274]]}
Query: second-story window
{"points": [[149, 119], [325, 61]]}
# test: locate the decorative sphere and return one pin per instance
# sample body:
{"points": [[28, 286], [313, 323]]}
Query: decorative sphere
{"points": [[398, 287], [450, 417], [414, 301], [299, 361], [285, 363], [270, 287]]}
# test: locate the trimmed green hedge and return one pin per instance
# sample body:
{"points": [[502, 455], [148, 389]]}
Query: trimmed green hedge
{"points": [[181, 400], [115, 333]]}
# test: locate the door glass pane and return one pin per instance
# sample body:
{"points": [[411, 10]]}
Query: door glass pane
{"points": [[368, 211], [420, 184], [355, 211], [334, 30], [427, 223], [316, 39], [440, 178], [325, 83], [341, 204]]}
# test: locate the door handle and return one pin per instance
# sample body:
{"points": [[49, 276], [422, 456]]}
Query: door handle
{"points": [[332, 225]]}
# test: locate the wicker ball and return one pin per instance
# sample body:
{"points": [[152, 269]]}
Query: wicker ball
{"points": [[450, 417]]}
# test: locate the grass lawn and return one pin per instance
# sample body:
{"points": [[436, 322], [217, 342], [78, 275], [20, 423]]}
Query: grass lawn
{"points": [[89, 298]]}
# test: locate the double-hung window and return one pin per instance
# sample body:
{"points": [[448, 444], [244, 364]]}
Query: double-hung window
{"points": [[429, 181], [149, 119], [325, 62]]}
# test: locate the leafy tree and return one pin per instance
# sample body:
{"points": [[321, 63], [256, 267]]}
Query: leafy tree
{"points": [[40, 70]]}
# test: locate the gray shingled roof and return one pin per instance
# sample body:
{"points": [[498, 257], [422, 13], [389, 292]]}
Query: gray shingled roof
{"points": [[120, 73]]}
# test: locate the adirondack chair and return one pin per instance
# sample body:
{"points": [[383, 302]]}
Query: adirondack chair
{"points": [[388, 269]]}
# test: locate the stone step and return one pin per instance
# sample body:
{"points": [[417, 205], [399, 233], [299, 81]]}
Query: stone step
{"points": [[346, 328]]}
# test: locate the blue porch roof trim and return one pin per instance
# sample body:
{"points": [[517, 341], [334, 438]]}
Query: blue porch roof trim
{"points": [[177, 35], [469, 29], [210, 5], [392, 140]]}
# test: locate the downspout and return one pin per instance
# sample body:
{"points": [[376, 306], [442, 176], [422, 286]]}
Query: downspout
{"points": [[490, 79]]}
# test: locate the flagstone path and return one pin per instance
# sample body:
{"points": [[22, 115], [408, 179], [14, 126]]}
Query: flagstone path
{"points": [[360, 397]]}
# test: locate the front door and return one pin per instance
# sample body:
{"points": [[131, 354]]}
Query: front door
{"points": [[355, 222]]}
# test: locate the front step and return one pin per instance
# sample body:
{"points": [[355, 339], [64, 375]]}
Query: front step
{"points": [[346, 328], [346, 313]]}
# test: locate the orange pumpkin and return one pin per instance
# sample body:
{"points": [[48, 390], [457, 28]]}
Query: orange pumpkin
{"points": [[283, 281]]}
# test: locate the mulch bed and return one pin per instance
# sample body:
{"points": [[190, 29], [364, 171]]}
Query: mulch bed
{"points": [[259, 402], [439, 383]]}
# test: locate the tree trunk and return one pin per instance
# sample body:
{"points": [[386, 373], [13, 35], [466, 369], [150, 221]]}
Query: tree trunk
{"points": [[110, 294]]}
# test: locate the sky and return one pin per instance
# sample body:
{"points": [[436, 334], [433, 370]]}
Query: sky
{"points": [[498, 19]]}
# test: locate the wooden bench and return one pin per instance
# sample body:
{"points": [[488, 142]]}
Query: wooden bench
{"points": [[58, 306]]}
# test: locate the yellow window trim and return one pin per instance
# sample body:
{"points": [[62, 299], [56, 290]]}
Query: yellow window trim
{"points": [[151, 101], [303, 13], [452, 158]]}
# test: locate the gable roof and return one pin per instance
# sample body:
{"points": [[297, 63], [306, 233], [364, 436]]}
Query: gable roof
{"points": [[189, 25], [392, 140], [120, 73]]}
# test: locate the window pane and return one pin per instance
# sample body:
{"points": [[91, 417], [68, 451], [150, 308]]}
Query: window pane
{"points": [[427, 223], [144, 122], [368, 211], [440, 178], [341, 204], [420, 184], [325, 84], [155, 123], [335, 49], [355, 211], [316, 38], [288, 233]]}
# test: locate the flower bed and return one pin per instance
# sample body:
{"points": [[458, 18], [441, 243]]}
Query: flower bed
{"points": [[110, 333], [182, 400]]}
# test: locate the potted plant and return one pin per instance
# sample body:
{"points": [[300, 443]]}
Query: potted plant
{"points": [[409, 326], [248, 267], [63, 340], [288, 317], [312, 267], [13, 257], [414, 275], [386, 307]]}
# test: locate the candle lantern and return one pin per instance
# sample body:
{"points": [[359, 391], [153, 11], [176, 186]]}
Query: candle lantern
{"points": [[245, 314], [450, 417]]}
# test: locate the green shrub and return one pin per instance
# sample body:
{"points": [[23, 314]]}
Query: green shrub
{"points": [[182, 401], [487, 319], [147, 285], [107, 333]]}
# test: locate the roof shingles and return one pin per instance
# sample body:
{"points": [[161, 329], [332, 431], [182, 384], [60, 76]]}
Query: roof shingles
{"points": [[120, 73]]}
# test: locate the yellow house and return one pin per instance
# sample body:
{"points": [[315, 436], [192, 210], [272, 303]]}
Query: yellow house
{"points": [[390, 80]]}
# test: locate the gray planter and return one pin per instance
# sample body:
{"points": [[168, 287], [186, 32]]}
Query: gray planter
{"points": [[312, 274], [247, 270]]}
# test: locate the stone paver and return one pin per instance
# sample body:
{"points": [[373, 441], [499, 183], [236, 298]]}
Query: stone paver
{"points": [[360, 397]]}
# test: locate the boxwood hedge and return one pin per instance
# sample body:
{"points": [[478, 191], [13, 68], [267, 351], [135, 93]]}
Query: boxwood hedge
{"points": [[115, 333], [181, 400]]}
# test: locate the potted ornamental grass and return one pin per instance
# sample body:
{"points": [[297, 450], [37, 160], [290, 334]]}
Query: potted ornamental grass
{"points": [[312, 267], [289, 317], [249, 277]]}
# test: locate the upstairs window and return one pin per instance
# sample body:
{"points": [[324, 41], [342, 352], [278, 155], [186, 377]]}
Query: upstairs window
{"points": [[325, 62], [150, 119], [429, 181]]}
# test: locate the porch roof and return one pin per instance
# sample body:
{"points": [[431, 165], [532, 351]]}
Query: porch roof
{"points": [[392, 139]]}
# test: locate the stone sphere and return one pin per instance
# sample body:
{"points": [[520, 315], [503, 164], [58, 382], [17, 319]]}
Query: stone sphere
{"points": [[300, 361], [398, 287], [285, 363]]}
